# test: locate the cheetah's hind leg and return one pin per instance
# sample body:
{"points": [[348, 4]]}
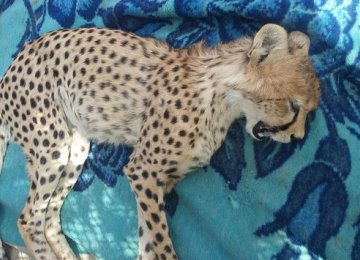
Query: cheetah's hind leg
{"points": [[47, 152], [4, 139]]}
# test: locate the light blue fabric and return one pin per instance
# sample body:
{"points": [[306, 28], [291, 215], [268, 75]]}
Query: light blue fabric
{"points": [[256, 200]]}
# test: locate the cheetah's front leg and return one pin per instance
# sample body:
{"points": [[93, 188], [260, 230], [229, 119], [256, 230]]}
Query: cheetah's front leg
{"points": [[145, 240], [79, 150], [154, 239]]}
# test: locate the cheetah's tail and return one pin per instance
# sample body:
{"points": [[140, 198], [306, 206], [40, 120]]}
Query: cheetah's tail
{"points": [[3, 145], [4, 135], [4, 139]]}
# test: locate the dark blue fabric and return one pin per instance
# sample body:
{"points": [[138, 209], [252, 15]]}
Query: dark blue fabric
{"points": [[256, 199]]}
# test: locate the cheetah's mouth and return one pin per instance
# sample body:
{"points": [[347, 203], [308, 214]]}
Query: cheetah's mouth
{"points": [[262, 131]]}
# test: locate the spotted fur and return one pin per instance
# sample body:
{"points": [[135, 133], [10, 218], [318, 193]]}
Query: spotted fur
{"points": [[174, 106]]}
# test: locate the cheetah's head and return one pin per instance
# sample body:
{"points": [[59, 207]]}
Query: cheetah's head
{"points": [[281, 84]]}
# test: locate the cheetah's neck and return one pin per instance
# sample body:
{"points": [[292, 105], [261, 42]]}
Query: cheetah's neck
{"points": [[220, 77]]}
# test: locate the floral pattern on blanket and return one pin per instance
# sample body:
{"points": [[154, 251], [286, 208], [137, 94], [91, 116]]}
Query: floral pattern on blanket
{"points": [[319, 207]]}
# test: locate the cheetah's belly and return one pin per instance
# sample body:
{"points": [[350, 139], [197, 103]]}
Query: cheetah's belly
{"points": [[118, 131], [113, 121]]}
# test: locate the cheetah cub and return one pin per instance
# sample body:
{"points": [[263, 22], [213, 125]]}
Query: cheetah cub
{"points": [[174, 106]]}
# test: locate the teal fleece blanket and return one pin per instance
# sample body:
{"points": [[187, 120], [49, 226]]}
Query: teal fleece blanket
{"points": [[256, 200]]}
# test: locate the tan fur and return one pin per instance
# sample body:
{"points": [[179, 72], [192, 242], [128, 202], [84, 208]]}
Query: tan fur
{"points": [[174, 106]]}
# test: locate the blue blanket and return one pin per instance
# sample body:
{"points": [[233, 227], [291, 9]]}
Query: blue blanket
{"points": [[256, 200]]}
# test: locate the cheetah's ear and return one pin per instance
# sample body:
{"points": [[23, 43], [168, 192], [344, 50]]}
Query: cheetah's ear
{"points": [[269, 38], [299, 43]]}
